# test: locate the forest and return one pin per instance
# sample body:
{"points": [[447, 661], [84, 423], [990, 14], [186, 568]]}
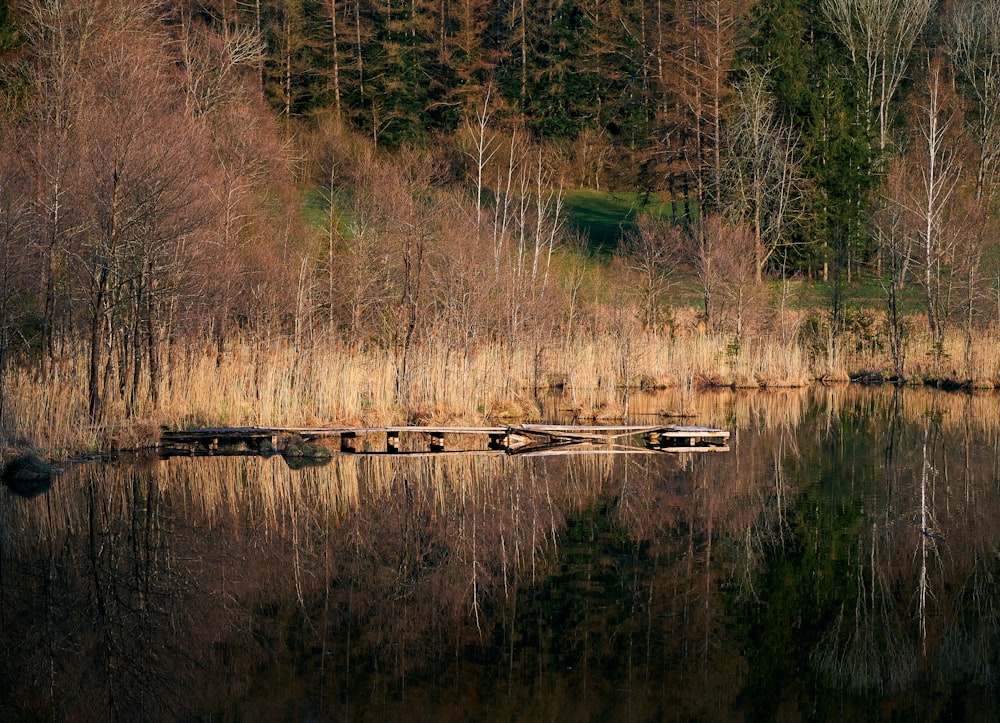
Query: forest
{"points": [[260, 210]]}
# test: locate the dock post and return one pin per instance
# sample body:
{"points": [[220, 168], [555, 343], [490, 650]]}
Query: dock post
{"points": [[347, 442]]}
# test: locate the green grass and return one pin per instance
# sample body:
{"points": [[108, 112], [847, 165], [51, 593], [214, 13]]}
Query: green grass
{"points": [[866, 291], [315, 209], [603, 217]]}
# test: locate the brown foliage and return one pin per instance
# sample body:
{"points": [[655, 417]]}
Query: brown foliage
{"points": [[726, 264]]}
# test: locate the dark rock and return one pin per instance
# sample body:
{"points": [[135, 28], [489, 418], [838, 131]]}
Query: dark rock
{"points": [[948, 384], [28, 476], [868, 378]]}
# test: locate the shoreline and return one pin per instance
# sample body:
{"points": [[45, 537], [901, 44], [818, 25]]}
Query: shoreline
{"points": [[271, 384]]}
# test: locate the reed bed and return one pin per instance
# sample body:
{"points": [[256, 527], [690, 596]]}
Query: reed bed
{"points": [[276, 384], [266, 492]]}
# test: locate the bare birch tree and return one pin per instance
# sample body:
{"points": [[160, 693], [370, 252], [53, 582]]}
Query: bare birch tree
{"points": [[974, 48], [483, 147], [879, 35], [939, 169], [764, 179], [213, 57]]}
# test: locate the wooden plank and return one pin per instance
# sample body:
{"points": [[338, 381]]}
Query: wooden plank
{"points": [[684, 434], [566, 435], [553, 429], [514, 438], [334, 431], [573, 450], [573, 428], [685, 450]]}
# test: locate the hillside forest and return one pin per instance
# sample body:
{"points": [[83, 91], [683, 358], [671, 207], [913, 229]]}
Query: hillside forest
{"points": [[192, 180]]}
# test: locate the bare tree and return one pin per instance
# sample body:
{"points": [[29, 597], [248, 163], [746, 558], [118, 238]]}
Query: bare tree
{"points": [[724, 257], [394, 228], [974, 48], [525, 229], [142, 179], [483, 147], [939, 167], [895, 230], [879, 35], [738, 286], [14, 214], [651, 254], [213, 58], [59, 37], [763, 174]]}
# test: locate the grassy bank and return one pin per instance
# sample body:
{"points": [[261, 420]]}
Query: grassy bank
{"points": [[604, 216], [328, 384]]}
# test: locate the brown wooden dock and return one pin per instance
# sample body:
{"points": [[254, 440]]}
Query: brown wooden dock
{"points": [[516, 439]]}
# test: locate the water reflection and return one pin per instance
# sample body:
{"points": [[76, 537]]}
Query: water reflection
{"points": [[840, 560]]}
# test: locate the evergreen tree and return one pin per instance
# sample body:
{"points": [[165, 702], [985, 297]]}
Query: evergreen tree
{"points": [[288, 73], [806, 68], [8, 32], [467, 49], [628, 97], [558, 90], [408, 81]]}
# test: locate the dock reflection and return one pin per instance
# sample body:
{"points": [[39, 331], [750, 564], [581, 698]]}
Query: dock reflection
{"points": [[842, 553]]}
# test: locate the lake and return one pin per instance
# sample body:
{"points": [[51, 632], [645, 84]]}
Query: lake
{"points": [[840, 561]]}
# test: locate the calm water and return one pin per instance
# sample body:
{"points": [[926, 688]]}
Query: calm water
{"points": [[840, 562]]}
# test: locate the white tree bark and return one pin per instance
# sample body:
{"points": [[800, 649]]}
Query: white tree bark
{"points": [[879, 35], [763, 174]]}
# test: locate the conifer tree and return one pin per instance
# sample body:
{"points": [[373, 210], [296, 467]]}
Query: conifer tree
{"points": [[805, 65], [289, 39]]}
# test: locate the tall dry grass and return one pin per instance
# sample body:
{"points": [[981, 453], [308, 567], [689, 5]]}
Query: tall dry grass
{"points": [[331, 384]]}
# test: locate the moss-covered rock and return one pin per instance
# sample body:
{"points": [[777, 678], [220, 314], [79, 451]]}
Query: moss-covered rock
{"points": [[298, 447], [296, 463]]}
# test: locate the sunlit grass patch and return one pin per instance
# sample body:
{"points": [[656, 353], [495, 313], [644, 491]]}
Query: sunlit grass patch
{"points": [[603, 216]]}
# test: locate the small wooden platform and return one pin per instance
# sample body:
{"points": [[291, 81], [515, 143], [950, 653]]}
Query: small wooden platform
{"points": [[516, 439]]}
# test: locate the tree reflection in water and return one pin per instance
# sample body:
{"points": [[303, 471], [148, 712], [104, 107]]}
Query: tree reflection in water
{"points": [[841, 559]]}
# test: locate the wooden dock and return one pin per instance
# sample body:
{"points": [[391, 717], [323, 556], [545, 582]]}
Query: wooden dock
{"points": [[516, 439]]}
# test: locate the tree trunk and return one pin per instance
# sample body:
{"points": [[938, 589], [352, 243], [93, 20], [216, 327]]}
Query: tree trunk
{"points": [[336, 59], [94, 367]]}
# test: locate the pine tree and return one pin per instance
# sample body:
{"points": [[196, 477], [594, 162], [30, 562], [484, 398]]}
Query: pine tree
{"points": [[289, 38], [805, 65]]}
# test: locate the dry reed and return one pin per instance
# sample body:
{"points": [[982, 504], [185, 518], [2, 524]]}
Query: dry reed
{"points": [[329, 384]]}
